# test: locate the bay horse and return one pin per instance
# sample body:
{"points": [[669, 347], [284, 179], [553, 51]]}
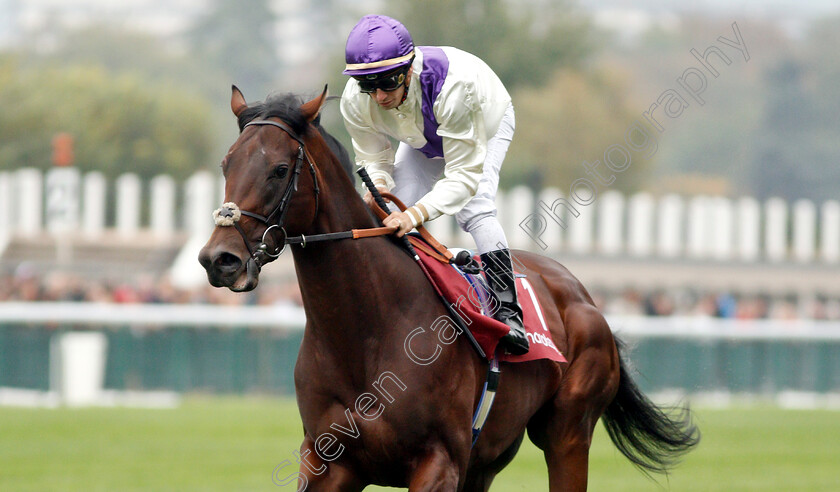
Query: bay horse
{"points": [[373, 415]]}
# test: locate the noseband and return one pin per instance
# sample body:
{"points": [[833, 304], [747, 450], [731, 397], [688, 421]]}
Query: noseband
{"points": [[229, 214]]}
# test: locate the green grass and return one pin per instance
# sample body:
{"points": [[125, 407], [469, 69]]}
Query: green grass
{"points": [[232, 444]]}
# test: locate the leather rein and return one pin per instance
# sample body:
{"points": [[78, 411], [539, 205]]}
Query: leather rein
{"points": [[229, 213]]}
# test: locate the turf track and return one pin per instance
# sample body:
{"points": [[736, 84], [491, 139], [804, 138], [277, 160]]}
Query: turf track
{"points": [[233, 444]]}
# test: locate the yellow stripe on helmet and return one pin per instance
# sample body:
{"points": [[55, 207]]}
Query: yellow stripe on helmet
{"points": [[381, 63]]}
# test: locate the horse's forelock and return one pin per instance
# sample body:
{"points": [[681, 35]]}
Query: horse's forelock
{"points": [[284, 106], [287, 108]]}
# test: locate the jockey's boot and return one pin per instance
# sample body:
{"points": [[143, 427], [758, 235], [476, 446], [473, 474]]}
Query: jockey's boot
{"points": [[498, 270]]}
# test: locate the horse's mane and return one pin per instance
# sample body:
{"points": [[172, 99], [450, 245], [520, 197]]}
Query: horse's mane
{"points": [[287, 108]]}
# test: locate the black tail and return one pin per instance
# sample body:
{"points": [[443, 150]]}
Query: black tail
{"points": [[643, 432]]}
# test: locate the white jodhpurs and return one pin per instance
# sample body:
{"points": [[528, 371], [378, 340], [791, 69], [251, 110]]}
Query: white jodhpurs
{"points": [[415, 175]]}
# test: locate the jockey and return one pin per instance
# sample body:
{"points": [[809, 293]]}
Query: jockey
{"points": [[454, 120]]}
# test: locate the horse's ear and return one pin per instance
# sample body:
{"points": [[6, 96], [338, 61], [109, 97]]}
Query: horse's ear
{"points": [[311, 109], [237, 101]]}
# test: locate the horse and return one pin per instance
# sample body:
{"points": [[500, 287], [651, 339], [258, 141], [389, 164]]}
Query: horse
{"points": [[372, 414]]}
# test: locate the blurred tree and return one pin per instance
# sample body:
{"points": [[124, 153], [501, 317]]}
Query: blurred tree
{"points": [[823, 65], [126, 51], [238, 38], [710, 148], [119, 124], [781, 143], [574, 118], [523, 42], [821, 57], [796, 150]]}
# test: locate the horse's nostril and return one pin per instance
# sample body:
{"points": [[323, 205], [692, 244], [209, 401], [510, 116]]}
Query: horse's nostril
{"points": [[227, 263]]}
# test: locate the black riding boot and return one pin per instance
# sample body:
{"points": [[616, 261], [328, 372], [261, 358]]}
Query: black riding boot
{"points": [[498, 270]]}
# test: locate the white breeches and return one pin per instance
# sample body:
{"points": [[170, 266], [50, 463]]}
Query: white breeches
{"points": [[415, 175]]}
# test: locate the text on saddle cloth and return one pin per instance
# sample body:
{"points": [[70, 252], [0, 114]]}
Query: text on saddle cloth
{"points": [[472, 301]]}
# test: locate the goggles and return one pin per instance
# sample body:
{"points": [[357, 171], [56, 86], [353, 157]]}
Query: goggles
{"points": [[387, 83]]}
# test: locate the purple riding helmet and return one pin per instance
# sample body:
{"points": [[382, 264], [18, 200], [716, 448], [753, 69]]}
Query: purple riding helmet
{"points": [[377, 45]]}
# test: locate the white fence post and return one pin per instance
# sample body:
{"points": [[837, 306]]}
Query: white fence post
{"points": [[611, 223], [162, 206], [722, 223], [748, 228], [775, 237], [63, 199], [640, 225], [804, 230], [518, 205], [5, 204], [701, 227], [93, 203], [199, 194], [697, 239], [77, 361], [580, 230], [128, 204], [28, 190], [830, 231], [200, 199], [670, 226], [546, 224]]}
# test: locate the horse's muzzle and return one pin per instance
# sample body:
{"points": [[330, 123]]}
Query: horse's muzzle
{"points": [[225, 269]]}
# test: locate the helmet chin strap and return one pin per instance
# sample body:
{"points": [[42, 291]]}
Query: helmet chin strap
{"points": [[405, 92]]}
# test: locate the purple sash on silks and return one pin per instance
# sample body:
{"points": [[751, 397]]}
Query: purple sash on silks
{"points": [[435, 68]]}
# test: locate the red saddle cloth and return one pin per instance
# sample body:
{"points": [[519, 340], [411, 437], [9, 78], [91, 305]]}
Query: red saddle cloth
{"points": [[468, 296]]}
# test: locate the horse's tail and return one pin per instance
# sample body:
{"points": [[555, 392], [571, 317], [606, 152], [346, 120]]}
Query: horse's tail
{"points": [[643, 432]]}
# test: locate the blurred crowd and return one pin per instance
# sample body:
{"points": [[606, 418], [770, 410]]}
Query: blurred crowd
{"points": [[29, 285], [687, 302]]}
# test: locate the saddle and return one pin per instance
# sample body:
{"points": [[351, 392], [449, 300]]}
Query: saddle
{"points": [[457, 277], [475, 303], [458, 282]]}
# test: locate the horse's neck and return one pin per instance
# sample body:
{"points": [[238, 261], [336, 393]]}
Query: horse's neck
{"points": [[346, 280], [362, 297]]}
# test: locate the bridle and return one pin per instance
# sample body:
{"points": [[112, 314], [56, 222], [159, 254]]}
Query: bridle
{"points": [[229, 213]]}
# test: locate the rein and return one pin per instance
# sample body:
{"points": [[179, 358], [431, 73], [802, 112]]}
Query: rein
{"points": [[229, 213]]}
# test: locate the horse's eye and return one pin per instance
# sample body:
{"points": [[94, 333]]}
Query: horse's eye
{"points": [[281, 171]]}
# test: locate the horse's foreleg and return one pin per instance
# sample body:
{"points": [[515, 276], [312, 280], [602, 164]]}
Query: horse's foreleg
{"points": [[436, 472], [319, 476]]}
